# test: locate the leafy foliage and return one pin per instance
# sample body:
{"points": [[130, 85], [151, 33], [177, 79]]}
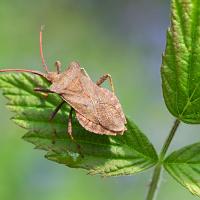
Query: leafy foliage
{"points": [[180, 73], [99, 154], [181, 62], [132, 152], [184, 166]]}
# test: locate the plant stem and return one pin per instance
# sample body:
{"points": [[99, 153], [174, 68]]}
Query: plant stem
{"points": [[169, 139], [154, 182], [157, 171]]}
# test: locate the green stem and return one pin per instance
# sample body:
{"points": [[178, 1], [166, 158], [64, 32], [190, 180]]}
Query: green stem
{"points": [[154, 182], [157, 171], [169, 139]]}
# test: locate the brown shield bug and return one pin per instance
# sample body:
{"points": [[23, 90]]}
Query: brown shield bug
{"points": [[97, 109]]}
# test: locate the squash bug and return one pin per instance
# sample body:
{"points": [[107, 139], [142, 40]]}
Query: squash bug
{"points": [[97, 109]]}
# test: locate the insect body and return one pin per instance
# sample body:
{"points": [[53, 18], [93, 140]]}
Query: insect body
{"points": [[97, 109]]}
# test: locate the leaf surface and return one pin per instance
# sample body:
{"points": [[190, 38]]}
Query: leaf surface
{"points": [[180, 69], [184, 166], [99, 154]]}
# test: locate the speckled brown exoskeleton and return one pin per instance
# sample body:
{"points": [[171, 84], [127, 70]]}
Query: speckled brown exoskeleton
{"points": [[97, 109]]}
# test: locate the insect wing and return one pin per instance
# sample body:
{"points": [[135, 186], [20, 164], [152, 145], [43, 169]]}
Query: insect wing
{"points": [[92, 127], [79, 94], [94, 103], [109, 111]]}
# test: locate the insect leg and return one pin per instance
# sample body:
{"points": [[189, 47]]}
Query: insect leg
{"points": [[69, 132], [53, 114], [84, 72], [69, 127], [104, 78], [58, 66], [42, 90]]}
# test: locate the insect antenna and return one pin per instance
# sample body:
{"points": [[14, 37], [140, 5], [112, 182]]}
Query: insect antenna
{"points": [[25, 70], [41, 52]]}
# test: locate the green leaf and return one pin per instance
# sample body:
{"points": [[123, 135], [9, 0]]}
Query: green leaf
{"points": [[99, 154], [181, 62], [184, 166]]}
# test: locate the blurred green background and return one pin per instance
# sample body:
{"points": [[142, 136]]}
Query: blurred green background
{"points": [[123, 38]]}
